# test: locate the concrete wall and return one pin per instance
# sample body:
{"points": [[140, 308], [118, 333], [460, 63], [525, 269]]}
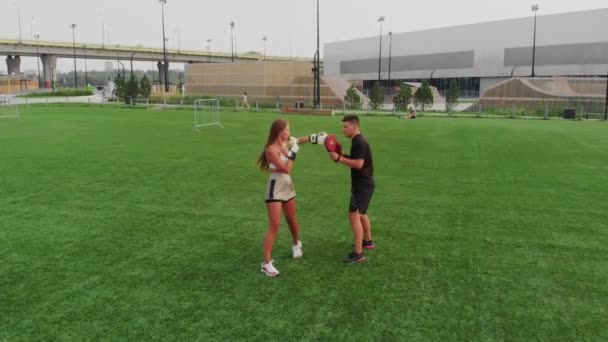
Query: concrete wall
{"points": [[573, 43], [540, 93], [265, 82]]}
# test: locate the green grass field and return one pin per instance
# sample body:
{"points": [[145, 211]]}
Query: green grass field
{"points": [[123, 224]]}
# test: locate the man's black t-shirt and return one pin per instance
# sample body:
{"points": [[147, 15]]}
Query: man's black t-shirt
{"points": [[360, 149]]}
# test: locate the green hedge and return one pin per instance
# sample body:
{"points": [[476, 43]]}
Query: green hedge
{"points": [[61, 93], [189, 100]]}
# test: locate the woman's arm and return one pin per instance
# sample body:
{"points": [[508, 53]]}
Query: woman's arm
{"points": [[273, 155]]}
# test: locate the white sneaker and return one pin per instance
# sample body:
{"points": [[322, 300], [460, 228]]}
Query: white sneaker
{"points": [[269, 269], [296, 251]]}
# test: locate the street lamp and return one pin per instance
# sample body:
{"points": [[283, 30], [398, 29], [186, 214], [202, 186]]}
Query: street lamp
{"points": [[123, 69], [232, 41], [119, 64], [390, 52], [380, 20], [316, 68], [534, 9], [38, 58], [165, 67], [209, 50], [73, 27], [606, 100], [264, 39], [86, 75]]}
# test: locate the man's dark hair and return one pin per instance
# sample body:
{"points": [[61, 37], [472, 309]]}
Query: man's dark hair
{"points": [[353, 119]]}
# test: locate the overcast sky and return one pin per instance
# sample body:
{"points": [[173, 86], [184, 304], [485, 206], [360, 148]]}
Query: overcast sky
{"points": [[290, 25]]}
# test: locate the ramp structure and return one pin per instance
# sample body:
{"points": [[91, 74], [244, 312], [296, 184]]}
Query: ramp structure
{"points": [[584, 94]]}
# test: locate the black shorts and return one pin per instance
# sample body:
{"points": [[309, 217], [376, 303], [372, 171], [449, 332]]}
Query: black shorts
{"points": [[360, 197]]}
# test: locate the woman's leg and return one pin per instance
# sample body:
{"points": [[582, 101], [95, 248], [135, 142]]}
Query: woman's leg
{"points": [[274, 221], [289, 210]]}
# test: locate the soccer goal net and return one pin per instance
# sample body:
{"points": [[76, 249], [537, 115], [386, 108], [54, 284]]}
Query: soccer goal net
{"points": [[8, 109], [206, 113]]}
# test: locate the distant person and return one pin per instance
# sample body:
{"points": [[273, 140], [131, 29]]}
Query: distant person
{"points": [[244, 102], [411, 114]]}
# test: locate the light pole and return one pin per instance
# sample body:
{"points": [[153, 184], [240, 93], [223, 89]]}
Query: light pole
{"points": [[380, 20], [534, 9], [232, 41], [317, 69], [103, 33], [118, 65], [131, 59], [165, 67], [86, 75], [390, 52], [209, 50], [264, 39], [19, 16], [123, 69], [606, 100], [38, 58], [73, 27]]}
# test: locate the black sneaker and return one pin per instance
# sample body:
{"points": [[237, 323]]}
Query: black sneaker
{"points": [[368, 244], [354, 257]]}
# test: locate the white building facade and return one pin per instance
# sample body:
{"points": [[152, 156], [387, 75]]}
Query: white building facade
{"points": [[478, 55]]}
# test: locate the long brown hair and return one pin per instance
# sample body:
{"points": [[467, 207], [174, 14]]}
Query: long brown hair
{"points": [[276, 128]]}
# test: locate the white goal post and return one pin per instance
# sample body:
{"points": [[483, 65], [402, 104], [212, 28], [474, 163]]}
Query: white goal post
{"points": [[207, 113], [8, 109]]}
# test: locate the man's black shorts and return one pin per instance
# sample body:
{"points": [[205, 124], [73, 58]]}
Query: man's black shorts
{"points": [[360, 198]]}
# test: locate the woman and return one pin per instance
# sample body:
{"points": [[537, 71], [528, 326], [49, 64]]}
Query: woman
{"points": [[277, 159]]}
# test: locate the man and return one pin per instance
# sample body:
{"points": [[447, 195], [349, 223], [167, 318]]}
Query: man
{"points": [[245, 103], [411, 114], [362, 186]]}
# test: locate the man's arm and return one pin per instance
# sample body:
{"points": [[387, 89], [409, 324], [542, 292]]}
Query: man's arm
{"points": [[352, 163]]}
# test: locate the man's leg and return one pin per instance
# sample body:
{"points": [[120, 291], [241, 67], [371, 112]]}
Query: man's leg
{"points": [[367, 229], [355, 221]]}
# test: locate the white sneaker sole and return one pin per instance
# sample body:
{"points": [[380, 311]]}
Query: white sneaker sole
{"points": [[268, 273]]}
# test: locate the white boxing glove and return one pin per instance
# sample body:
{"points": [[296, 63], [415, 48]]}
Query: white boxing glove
{"points": [[317, 138], [321, 137], [293, 150], [292, 141]]}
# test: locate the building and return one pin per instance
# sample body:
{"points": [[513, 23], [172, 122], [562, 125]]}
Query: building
{"points": [[17, 84], [478, 55]]}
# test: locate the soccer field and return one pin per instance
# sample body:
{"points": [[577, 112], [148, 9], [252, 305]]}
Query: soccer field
{"points": [[124, 224]]}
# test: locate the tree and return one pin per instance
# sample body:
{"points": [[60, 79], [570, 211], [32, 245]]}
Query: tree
{"points": [[120, 87], [424, 96], [145, 88], [453, 94], [132, 90], [377, 97], [352, 98], [403, 97]]}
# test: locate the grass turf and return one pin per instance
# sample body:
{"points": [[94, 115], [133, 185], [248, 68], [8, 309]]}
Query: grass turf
{"points": [[125, 224]]}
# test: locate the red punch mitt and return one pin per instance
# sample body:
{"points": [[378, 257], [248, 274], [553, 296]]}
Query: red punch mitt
{"points": [[332, 144]]}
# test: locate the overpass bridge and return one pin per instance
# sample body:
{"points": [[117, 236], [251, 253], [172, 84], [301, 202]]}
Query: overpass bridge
{"points": [[49, 51]]}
